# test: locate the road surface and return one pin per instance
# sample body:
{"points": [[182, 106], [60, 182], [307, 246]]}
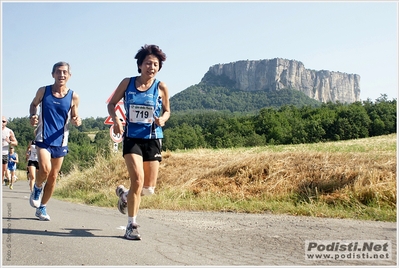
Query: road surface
{"points": [[82, 235]]}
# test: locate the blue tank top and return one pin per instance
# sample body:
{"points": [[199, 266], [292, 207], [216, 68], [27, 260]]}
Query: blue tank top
{"points": [[12, 165], [54, 117], [141, 108]]}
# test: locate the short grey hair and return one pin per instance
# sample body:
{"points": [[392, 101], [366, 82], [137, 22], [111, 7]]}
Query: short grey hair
{"points": [[59, 64]]}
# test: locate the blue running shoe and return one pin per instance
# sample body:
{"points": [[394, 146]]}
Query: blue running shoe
{"points": [[41, 213], [36, 197]]}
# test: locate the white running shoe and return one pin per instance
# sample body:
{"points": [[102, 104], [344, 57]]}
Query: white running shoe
{"points": [[132, 233], [41, 213], [36, 197]]}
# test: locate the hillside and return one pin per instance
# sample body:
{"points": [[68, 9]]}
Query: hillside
{"points": [[221, 98]]}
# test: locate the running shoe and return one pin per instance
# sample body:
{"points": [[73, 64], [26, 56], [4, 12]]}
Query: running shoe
{"points": [[41, 213], [10, 186], [122, 202], [132, 233], [36, 197]]}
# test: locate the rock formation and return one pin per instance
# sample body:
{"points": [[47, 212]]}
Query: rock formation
{"points": [[275, 74]]}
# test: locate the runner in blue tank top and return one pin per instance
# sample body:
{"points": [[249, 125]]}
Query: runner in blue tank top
{"points": [[58, 107], [12, 166], [147, 109], [142, 107]]}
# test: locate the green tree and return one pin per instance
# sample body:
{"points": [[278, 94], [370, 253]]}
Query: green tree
{"points": [[383, 116], [352, 122]]}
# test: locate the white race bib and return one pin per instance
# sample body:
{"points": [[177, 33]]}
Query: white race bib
{"points": [[141, 114]]}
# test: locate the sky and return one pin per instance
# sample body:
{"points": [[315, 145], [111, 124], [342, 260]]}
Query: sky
{"points": [[100, 39]]}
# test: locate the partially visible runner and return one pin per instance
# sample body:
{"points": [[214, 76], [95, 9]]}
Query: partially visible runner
{"points": [[146, 101], [58, 107], [33, 163], [7, 139], [12, 166]]}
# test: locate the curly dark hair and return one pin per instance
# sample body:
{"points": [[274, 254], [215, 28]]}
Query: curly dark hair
{"points": [[150, 50]]}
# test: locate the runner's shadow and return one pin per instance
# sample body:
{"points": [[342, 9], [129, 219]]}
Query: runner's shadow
{"points": [[16, 192], [20, 218], [73, 232]]}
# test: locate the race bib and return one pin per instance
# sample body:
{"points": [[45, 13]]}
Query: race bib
{"points": [[141, 114]]}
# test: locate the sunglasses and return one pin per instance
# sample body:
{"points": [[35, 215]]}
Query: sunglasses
{"points": [[4, 121]]}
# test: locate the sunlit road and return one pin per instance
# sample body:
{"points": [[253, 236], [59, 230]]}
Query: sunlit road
{"points": [[84, 235]]}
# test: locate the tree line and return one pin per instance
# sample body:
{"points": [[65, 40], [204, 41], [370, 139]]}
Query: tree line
{"points": [[288, 124]]}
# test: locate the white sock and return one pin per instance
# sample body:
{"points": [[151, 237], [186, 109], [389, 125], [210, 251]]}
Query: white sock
{"points": [[131, 220], [147, 191], [38, 187]]}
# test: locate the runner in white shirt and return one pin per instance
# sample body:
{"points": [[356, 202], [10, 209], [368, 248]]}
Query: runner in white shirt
{"points": [[7, 139]]}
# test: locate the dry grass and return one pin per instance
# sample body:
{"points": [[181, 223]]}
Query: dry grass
{"points": [[353, 175], [277, 174]]}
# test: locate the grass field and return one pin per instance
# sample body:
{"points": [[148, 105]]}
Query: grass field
{"points": [[347, 179]]}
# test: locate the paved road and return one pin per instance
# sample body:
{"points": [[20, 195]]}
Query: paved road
{"points": [[84, 235]]}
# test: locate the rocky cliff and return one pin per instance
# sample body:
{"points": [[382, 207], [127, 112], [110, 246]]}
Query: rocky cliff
{"points": [[275, 74]]}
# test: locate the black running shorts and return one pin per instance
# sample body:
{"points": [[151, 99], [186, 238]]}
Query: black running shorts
{"points": [[5, 159], [33, 163], [150, 150]]}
